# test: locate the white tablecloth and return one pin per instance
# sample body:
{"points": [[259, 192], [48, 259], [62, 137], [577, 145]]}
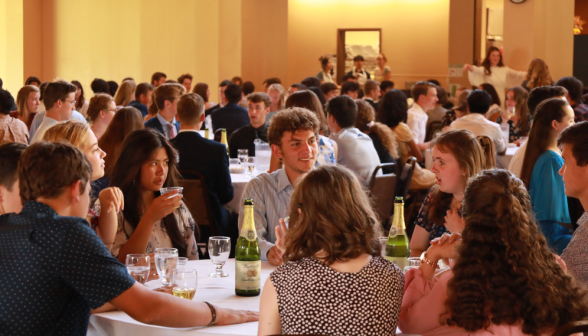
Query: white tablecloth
{"points": [[502, 161], [239, 182], [220, 292]]}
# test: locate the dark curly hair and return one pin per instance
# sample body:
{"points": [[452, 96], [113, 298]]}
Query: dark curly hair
{"points": [[505, 273]]}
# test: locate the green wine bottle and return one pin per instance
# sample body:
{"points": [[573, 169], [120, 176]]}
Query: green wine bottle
{"points": [[248, 256], [397, 250]]}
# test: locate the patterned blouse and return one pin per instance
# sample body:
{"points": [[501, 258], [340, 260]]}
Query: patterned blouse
{"points": [[326, 152], [423, 219], [313, 298], [159, 237], [514, 131]]}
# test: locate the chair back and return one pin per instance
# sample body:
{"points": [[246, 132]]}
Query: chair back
{"points": [[432, 129], [196, 199], [383, 189], [572, 328], [406, 177]]}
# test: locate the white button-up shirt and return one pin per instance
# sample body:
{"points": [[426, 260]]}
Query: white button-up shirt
{"points": [[417, 122], [479, 125]]}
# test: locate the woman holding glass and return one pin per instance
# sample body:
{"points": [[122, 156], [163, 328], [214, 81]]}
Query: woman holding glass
{"points": [[517, 114], [149, 220], [332, 266], [505, 280]]}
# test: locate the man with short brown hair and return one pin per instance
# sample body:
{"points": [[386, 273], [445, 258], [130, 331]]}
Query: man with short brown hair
{"points": [[292, 135], [258, 108], [372, 93], [166, 98], [60, 99], [158, 79], [425, 97], [207, 157], [142, 98], [186, 81]]}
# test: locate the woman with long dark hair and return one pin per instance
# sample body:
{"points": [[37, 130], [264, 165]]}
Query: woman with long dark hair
{"points": [[81, 102], [494, 71], [505, 280], [495, 110], [540, 171], [149, 220]]}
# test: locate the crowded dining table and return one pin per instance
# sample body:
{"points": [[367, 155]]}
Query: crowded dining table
{"points": [[218, 291]]}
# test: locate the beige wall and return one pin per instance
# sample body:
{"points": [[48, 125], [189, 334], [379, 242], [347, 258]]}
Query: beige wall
{"points": [[540, 29], [416, 48], [11, 45]]}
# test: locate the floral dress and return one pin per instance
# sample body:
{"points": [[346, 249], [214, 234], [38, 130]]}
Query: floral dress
{"points": [[422, 220], [159, 236], [326, 152], [514, 131]]}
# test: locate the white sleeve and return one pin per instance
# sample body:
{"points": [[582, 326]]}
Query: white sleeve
{"points": [[413, 124]]}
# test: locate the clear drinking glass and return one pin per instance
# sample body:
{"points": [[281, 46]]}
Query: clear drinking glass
{"points": [[185, 283], [164, 191], [138, 267], [218, 250], [242, 154], [383, 241], [413, 262], [166, 260], [250, 165]]}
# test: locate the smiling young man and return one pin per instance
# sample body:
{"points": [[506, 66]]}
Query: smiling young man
{"points": [[60, 99], [293, 136], [258, 107], [574, 140]]}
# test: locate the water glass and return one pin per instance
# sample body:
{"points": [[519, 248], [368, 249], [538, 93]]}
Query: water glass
{"points": [[250, 165], [164, 191], [242, 154], [166, 260], [383, 241], [182, 261], [138, 267], [218, 250], [185, 283], [413, 262]]}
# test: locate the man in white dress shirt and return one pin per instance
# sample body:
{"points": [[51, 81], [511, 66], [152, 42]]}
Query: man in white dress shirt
{"points": [[425, 97], [60, 99], [479, 102]]}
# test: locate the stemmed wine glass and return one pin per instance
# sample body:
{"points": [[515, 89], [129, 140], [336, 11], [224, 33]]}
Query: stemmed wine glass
{"points": [[242, 154], [250, 165], [219, 249], [138, 267]]}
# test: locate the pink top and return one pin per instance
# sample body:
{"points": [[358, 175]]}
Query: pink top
{"points": [[424, 302]]}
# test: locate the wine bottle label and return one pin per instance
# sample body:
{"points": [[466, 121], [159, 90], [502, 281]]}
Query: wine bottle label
{"points": [[250, 235], [248, 275], [393, 232]]}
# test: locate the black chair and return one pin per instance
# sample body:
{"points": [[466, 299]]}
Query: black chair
{"points": [[197, 201], [383, 189], [406, 177], [572, 328], [432, 129]]}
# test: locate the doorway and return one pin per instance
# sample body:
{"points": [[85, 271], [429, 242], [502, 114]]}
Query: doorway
{"points": [[351, 42]]}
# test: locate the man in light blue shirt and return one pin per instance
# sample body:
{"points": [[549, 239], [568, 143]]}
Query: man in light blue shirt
{"points": [[293, 135], [356, 149]]}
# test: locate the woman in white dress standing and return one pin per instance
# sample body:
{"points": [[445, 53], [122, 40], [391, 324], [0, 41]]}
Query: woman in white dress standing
{"points": [[494, 71]]}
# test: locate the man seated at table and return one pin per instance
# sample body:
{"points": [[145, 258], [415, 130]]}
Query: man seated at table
{"points": [[356, 149], [293, 135], [9, 191], [231, 116], [55, 268], [207, 157], [536, 96], [60, 100], [143, 98], [479, 102], [258, 108], [166, 96], [574, 140]]}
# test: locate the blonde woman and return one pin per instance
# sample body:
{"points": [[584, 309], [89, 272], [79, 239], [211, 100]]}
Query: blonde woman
{"points": [[28, 103], [537, 75], [100, 112], [276, 93], [81, 136], [125, 94]]}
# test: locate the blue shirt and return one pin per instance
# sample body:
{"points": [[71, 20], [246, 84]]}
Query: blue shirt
{"points": [[54, 269]]}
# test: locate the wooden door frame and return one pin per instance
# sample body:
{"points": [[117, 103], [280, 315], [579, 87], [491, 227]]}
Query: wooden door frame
{"points": [[341, 48]]}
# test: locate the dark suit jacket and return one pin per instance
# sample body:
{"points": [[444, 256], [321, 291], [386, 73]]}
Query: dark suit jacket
{"points": [[231, 117], [142, 108], [154, 123], [210, 159]]}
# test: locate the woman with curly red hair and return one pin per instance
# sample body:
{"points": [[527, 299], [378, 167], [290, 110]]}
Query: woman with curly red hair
{"points": [[505, 280]]}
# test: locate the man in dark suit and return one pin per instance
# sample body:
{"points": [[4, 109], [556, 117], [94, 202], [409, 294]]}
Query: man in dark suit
{"points": [[244, 137], [142, 98], [221, 96], [372, 93], [231, 116], [207, 157], [166, 98]]}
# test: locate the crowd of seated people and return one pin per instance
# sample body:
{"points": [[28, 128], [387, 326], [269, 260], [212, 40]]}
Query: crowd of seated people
{"points": [[82, 175]]}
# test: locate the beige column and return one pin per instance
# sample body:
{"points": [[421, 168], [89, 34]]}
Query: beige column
{"points": [[540, 29], [11, 45], [461, 36]]}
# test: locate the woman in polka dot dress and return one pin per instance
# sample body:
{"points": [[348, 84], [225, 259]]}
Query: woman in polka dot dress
{"points": [[149, 220], [333, 280]]}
